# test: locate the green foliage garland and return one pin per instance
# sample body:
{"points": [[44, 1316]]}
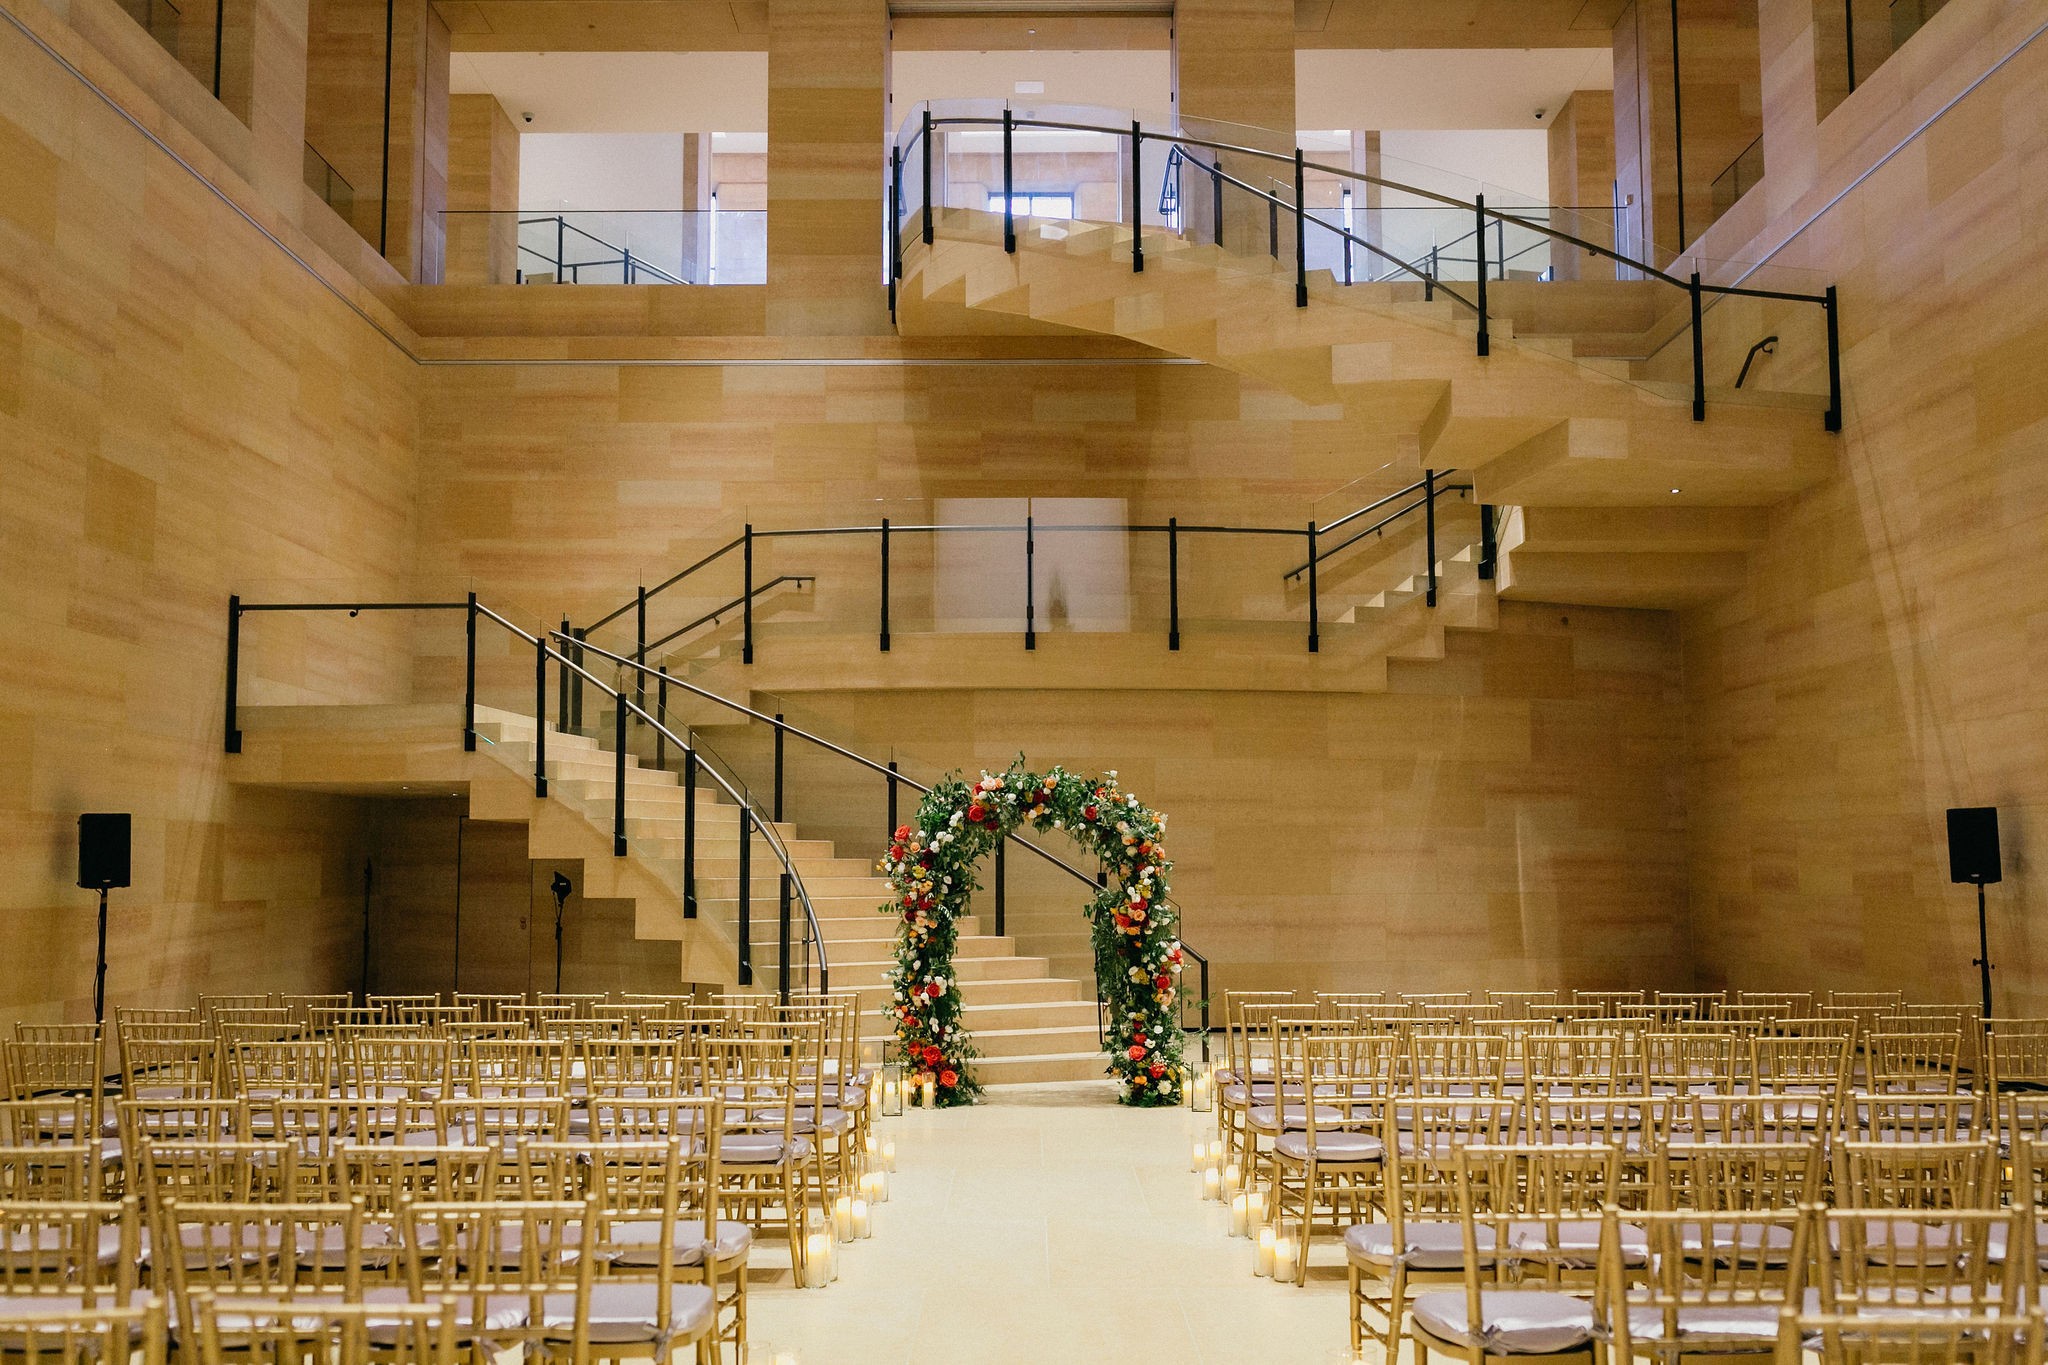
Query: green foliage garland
{"points": [[930, 866]]}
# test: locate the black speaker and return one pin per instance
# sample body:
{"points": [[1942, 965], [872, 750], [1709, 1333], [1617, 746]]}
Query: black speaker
{"points": [[1973, 844], [102, 851]]}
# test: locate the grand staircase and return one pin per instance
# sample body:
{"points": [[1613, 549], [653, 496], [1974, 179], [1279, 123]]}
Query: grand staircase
{"points": [[1618, 497], [1030, 1025]]}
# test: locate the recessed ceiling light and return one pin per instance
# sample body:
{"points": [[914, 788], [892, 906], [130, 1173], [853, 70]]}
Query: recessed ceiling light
{"points": [[1678, 490]]}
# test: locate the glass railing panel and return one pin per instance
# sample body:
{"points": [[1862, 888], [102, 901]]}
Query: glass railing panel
{"points": [[606, 247], [189, 31]]}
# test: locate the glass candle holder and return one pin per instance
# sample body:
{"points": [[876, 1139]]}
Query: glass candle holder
{"points": [[1212, 1183], [1202, 1091], [891, 1082], [863, 1224], [1262, 1258], [1239, 1215]]}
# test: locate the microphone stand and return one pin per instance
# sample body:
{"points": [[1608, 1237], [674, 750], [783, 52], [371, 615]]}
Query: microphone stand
{"points": [[561, 888]]}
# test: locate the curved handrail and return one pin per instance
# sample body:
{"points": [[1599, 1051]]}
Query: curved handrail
{"points": [[1346, 173], [774, 836]]}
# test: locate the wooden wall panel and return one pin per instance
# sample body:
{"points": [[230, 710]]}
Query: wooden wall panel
{"points": [[483, 192], [1582, 179], [826, 96], [1883, 660], [183, 413]]}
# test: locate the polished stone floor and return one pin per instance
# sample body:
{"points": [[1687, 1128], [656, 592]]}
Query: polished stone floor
{"points": [[1047, 1225]]}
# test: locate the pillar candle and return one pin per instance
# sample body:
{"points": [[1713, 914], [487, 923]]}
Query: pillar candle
{"points": [[1212, 1184], [862, 1226], [1262, 1263], [888, 1156], [842, 1217], [1283, 1258], [1199, 1158], [1239, 1212]]}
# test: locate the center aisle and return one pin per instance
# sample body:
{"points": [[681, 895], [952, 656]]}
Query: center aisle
{"points": [[1047, 1224]]}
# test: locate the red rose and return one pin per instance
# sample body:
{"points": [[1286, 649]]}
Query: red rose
{"points": [[1141, 904], [1163, 982], [1088, 812], [949, 1078], [902, 833], [932, 1056], [910, 914], [1158, 1069], [932, 989], [910, 898], [975, 811], [1137, 1052], [1123, 921]]}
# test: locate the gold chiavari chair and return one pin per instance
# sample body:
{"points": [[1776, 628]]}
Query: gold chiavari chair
{"points": [[75, 1066], [488, 1007], [302, 1006], [84, 1336], [149, 1015], [1867, 1000], [503, 1121], [836, 1128], [1701, 1293], [383, 1179], [2026, 1176], [533, 1017], [1746, 1018], [67, 1173], [576, 1029], [763, 1159], [1637, 1127], [1608, 1001], [535, 1067], [1889, 1258], [1698, 1004], [1761, 1118], [1899, 1117], [167, 1061], [1536, 1202], [433, 1020], [624, 1066], [395, 1005], [655, 1212], [1791, 1004], [577, 1004], [181, 1120], [633, 1014], [1816, 1064], [69, 1253], [233, 1027], [1331, 1159], [1916, 1175], [2015, 1062], [281, 1251], [259, 1329], [1965, 1021], [1653, 1018], [1571, 1064], [643, 1118], [1248, 1051], [1457, 1064], [1903, 1337], [2023, 1119], [213, 1173], [318, 1129], [516, 1269], [1687, 1063], [1328, 1001], [1421, 1242], [461, 1036], [212, 1005], [299, 1067], [37, 1120], [333, 1021], [1523, 1004], [401, 1076], [1731, 1177]]}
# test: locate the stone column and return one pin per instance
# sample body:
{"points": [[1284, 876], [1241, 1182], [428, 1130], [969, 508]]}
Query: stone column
{"points": [[1582, 180], [826, 83], [483, 192]]}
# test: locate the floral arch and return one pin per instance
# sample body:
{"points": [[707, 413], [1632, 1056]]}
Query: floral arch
{"points": [[930, 866]]}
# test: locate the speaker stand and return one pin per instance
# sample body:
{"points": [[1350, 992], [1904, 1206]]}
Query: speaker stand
{"points": [[1983, 961], [99, 976]]}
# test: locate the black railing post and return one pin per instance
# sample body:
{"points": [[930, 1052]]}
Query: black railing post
{"points": [[661, 719], [233, 734], [626, 254], [561, 249], [540, 714], [1030, 605], [1273, 227], [1479, 249], [782, 940], [1429, 280], [1137, 200], [746, 894], [1001, 885], [895, 225], [1500, 244], [562, 698], [469, 682], [1216, 195], [1315, 635], [619, 775], [1173, 582], [1699, 354], [640, 644], [885, 585], [1009, 187], [1834, 415], [582, 633], [778, 767], [1300, 234], [892, 799], [690, 833], [1489, 545], [747, 597], [1849, 47], [1429, 528], [927, 175]]}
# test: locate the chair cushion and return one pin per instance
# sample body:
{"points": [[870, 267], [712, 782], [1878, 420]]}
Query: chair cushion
{"points": [[1266, 1119], [761, 1149], [635, 1243], [1742, 1240], [502, 1312], [1996, 1243], [626, 1313], [1578, 1239], [1339, 1145], [1431, 1246], [1512, 1321], [1738, 1322]]}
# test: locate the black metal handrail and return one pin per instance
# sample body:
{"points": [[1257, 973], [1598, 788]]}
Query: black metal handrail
{"points": [[561, 262], [544, 652], [1696, 287], [713, 617], [1430, 490]]}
